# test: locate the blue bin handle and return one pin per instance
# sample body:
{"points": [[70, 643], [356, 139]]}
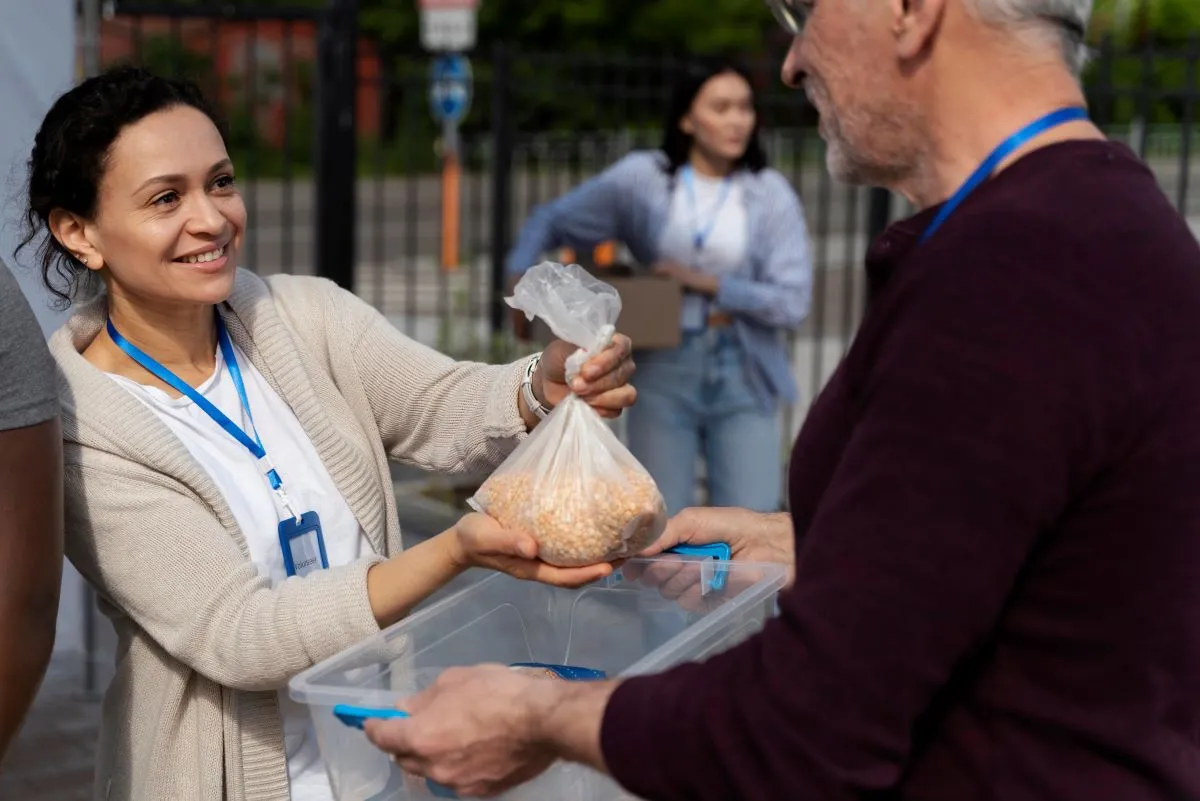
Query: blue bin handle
{"points": [[717, 550], [356, 716]]}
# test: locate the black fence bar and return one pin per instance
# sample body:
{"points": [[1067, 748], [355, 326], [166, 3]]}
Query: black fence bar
{"points": [[1145, 99], [379, 247], [412, 203], [250, 109], [821, 235], [502, 145], [336, 156], [879, 213], [1188, 122], [229, 11], [288, 199]]}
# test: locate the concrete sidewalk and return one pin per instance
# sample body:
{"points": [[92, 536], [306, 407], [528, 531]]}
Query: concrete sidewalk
{"points": [[53, 758]]}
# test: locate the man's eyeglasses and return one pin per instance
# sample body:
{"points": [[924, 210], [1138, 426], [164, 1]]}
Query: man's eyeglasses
{"points": [[791, 14]]}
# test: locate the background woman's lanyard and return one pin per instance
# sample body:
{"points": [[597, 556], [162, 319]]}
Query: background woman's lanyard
{"points": [[1006, 149], [699, 235], [167, 377]]}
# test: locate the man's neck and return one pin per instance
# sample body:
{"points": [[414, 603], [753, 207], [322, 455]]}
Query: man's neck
{"points": [[967, 122]]}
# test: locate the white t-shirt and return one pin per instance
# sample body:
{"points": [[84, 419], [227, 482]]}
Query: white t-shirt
{"points": [[253, 504], [722, 220]]}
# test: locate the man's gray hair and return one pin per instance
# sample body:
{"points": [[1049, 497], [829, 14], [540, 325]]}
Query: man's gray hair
{"points": [[1065, 19]]}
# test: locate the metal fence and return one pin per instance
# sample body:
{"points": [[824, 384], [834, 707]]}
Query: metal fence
{"points": [[338, 156]]}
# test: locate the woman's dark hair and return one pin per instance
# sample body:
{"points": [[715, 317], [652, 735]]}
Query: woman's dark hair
{"points": [[678, 145], [70, 155]]}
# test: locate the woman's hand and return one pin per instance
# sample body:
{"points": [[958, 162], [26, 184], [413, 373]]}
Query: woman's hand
{"points": [[397, 585], [689, 279], [479, 541], [603, 382]]}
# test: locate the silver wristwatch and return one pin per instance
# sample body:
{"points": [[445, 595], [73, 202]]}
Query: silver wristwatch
{"points": [[535, 406]]}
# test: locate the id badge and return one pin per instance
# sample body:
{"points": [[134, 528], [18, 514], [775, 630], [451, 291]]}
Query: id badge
{"points": [[303, 545]]}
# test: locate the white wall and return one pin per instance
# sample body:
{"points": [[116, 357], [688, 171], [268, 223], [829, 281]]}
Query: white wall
{"points": [[37, 63]]}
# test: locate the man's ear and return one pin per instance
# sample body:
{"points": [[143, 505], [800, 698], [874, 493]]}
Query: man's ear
{"points": [[72, 233], [914, 24]]}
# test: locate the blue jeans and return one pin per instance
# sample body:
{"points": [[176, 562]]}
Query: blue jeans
{"points": [[694, 400]]}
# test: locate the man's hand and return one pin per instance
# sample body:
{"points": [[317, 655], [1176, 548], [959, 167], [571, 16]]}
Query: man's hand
{"points": [[751, 536], [483, 730], [603, 382]]}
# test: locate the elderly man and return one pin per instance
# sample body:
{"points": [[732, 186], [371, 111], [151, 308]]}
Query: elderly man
{"points": [[996, 499]]}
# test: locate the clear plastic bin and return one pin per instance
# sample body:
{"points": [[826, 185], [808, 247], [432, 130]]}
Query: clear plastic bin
{"points": [[620, 626]]}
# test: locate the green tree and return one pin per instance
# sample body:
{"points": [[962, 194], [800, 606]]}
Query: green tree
{"points": [[688, 26], [1130, 22], [579, 25]]}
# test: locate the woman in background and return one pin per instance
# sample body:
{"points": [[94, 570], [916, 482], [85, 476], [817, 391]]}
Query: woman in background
{"points": [[705, 211]]}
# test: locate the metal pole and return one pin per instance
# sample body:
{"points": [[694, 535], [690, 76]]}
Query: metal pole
{"points": [[879, 213], [90, 35], [501, 183], [1189, 116], [336, 161], [90, 65]]}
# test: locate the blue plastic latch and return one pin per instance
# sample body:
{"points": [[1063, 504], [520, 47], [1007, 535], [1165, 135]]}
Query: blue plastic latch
{"points": [[356, 716], [717, 550], [567, 672]]}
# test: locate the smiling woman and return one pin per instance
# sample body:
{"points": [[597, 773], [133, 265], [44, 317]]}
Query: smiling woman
{"points": [[226, 447], [168, 246]]}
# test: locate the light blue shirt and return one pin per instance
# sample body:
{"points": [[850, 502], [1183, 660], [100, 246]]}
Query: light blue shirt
{"points": [[629, 202]]}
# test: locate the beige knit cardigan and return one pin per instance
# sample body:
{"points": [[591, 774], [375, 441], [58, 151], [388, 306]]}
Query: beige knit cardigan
{"points": [[204, 641]]}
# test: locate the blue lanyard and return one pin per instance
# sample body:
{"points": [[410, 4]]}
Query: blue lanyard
{"points": [[254, 445], [1006, 149], [689, 181]]}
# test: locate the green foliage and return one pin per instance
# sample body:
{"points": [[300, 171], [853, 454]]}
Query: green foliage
{"points": [[594, 65], [638, 26], [1129, 22], [1145, 67], [629, 26]]}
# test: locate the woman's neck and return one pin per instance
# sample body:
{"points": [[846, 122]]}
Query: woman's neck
{"points": [[181, 337], [709, 166]]}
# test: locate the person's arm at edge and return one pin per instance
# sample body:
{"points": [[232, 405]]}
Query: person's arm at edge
{"points": [[591, 213], [31, 557]]}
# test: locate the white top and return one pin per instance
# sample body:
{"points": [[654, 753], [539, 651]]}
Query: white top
{"points": [[727, 234], [253, 504]]}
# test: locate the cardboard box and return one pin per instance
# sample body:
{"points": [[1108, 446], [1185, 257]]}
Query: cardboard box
{"points": [[650, 309]]}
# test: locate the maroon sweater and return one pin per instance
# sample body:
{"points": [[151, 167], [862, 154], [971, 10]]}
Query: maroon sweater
{"points": [[997, 510]]}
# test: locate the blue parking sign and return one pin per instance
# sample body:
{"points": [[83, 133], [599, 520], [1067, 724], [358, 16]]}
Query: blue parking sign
{"points": [[450, 87]]}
